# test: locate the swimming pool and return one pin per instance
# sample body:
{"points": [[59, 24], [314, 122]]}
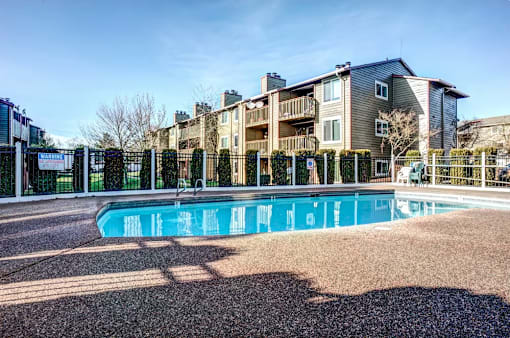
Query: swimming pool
{"points": [[238, 217]]}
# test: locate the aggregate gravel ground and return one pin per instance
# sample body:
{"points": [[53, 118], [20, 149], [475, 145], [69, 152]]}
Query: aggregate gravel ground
{"points": [[446, 275]]}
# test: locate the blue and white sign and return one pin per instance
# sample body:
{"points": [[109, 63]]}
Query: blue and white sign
{"points": [[50, 161], [309, 163]]}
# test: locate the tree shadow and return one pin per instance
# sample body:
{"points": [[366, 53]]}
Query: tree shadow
{"points": [[161, 287]]}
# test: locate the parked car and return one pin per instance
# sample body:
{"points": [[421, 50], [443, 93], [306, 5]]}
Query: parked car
{"points": [[504, 174]]}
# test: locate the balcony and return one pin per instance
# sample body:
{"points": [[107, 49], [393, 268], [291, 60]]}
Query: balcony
{"points": [[257, 117], [293, 143], [190, 132], [259, 145], [303, 107]]}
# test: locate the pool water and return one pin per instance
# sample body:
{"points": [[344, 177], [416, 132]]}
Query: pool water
{"points": [[264, 215]]}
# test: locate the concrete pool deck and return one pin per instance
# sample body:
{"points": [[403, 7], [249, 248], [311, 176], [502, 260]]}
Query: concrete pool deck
{"points": [[445, 274]]}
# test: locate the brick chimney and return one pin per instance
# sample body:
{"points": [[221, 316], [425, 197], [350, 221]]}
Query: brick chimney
{"points": [[230, 97], [271, 81], [180, 116], [200, 108]]}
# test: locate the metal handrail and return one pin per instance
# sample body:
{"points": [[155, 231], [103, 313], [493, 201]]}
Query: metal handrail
{"points": [[195, 188], [183, 188]]}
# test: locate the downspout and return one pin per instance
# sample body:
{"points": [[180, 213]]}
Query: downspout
{"points": [[337, 72], [442, 118]]}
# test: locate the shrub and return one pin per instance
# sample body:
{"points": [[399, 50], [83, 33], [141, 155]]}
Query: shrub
{"points": [[347, 165], [364, 165], [302, 173], [224, 168], [113, 169], [7, 171], [251, 167], [459, 157], [411, 156], [265, 179], [42, 181], [169, 170], [145, 170], [490, 159], [331, 165], [440, 171], [197, 160], [279, 167]]}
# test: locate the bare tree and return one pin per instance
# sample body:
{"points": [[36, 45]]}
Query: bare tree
{"points": [[126, 124], [144, 120], [403, 130], [112, 120], [209, 95]]}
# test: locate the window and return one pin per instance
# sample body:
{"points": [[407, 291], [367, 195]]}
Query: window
{"points": [[381, 90], [381, 167], [331, 90], [224, 117], [224, 142], [172, 132], [381, 128], [331, 130], [236, 140], [236, 114]]}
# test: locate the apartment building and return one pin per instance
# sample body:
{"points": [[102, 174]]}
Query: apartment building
{"points": [[487, 132], [337, 110], [15, 126]]}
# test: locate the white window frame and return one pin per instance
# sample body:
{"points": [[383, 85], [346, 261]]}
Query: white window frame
{"points": [[236, 114], [331, 100], [221, 142], [381, 122], [224, 113], [332, 118], [383, 84], [236, 136], [377, 173]]}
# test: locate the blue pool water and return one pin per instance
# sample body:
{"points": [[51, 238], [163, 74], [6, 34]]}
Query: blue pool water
{"points": [[264, 215]]}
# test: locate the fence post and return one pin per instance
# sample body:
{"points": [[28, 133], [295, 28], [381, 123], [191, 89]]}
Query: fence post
{"points": [[258, 169], [392, 168], [325, 168], [153, 169], [86, 169], [483, 169], [293, 169], [204, 169], [434, 169], [356, 180], [19, 170]]}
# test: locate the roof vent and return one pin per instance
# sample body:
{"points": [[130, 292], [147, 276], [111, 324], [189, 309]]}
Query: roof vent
{"points": [[348, 63], [338, 67]]}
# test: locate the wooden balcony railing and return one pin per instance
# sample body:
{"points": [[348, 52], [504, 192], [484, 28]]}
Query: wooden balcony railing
{"points": [[189, 132], [257, 116], [297, 143], [259, 145], [298, 108]]}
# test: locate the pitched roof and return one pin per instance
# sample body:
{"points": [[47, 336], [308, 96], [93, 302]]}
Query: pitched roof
{"points": [[488, 121], [450, 87]]}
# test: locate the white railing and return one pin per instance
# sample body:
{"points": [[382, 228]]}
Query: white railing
{"points": [[292, 143]]}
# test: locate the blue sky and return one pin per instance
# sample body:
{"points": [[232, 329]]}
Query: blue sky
{"points": [[62, 59]]}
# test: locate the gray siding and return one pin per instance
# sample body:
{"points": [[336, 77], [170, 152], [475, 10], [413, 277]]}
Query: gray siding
{"points": [[365, 106], [4, 124], [446, 138], [435, 125], [450, 122]]}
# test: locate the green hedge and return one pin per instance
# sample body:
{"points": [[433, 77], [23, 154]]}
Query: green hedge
{"points": [[224, 169], [78, 170], [145, 170], [279, 167], [7, 171], [440, 171], [413, 154], [347, 165], [331, 165], [169, 169], [490, 159], [364, 165], [42, 181], [251, 167], [197, 159], [302, 173], [458, 173], [113, 170]]}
